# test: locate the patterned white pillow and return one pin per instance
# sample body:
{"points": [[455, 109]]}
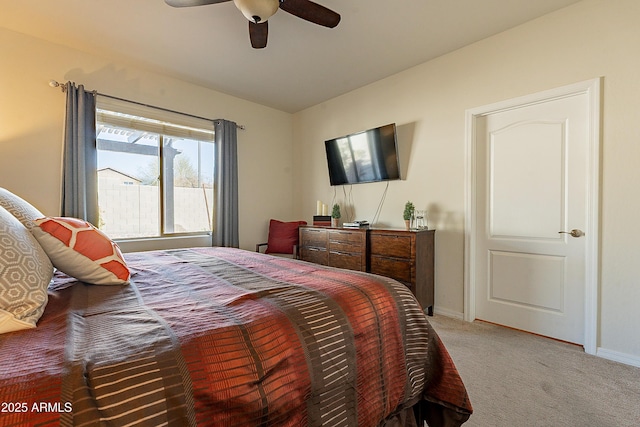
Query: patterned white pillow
{"points": [[25, 273], [20, 208]]}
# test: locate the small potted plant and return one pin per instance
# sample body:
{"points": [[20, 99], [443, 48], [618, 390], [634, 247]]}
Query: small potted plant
{"points": [[407, 214], [335, 215]]}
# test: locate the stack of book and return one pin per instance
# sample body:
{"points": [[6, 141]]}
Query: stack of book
{"points": [[322, 220], [356, 224]]}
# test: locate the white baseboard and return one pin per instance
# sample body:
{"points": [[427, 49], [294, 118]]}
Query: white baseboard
{"points": [[449, 313], [627, 359]]}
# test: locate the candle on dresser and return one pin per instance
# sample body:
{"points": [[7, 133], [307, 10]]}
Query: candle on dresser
{"points": [[318, 207]]}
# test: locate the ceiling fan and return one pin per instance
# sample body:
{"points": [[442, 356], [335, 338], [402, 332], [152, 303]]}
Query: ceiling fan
{"points": [[259, 11]]}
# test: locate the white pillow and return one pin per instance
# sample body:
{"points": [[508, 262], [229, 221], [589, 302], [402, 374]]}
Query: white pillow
{"points": [[20, 208], [80, 250], [25, 273]]}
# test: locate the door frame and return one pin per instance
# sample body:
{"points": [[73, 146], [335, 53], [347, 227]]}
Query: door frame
{"points": [[592, 88]]}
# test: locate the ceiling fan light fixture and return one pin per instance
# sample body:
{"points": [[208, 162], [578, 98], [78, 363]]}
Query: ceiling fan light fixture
{"points": [[257, 11]]}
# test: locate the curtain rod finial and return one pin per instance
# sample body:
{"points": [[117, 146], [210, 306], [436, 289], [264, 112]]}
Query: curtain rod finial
{"points": [[54, 83]]}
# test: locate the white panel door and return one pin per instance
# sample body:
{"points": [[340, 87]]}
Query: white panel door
{"points": [[531, 184]]}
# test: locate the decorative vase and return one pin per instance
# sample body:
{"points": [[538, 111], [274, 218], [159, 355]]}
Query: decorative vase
{"points": [[334, 222], [420, 220], [407, 223]]}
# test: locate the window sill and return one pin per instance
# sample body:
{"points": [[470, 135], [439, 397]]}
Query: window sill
{"points": [[160, 243]]}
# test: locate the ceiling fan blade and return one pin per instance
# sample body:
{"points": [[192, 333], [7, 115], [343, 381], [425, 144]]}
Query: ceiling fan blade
{"points": [[189, 3], [258, 34], [312, 12]]}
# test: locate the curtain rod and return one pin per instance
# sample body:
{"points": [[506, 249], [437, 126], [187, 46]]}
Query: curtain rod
{"points": [[62, 87]]}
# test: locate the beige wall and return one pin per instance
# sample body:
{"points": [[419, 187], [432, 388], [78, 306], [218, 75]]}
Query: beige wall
{"points": [[594, 38], [32, 114]]}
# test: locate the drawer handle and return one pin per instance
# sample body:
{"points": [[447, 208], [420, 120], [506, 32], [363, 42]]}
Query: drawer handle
{"points": [[343, 253]]}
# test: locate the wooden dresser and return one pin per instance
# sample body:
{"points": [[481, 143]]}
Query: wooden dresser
{"points": [[407, 256]]}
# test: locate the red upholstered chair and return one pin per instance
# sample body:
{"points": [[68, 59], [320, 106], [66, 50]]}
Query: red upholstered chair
{"points": [[283, 238]]}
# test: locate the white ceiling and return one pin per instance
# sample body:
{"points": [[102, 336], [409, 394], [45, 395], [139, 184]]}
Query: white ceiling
{"points": [[302, 65]]}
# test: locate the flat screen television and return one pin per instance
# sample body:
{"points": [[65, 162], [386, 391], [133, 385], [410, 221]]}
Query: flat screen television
{"points": [[367, 156]]}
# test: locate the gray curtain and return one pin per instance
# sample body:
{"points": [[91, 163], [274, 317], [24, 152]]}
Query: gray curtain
{"points": [[80, 159], [225, 227]]}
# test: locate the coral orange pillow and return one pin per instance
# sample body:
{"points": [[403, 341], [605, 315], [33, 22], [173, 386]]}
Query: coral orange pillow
{"points": [[80, 250], [283, 236]]}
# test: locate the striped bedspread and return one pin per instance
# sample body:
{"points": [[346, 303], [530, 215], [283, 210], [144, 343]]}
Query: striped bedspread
{"points": [[225, 337]]}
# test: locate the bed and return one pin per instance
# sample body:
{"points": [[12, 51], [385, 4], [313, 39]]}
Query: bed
{"points": [[227, 337], [219, 336]]}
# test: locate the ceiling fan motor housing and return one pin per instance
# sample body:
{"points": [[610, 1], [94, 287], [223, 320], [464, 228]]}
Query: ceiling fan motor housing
{"points": [[257, 10]]}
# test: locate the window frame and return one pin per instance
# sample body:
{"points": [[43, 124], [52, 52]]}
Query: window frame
{"points": [[165, 124]]}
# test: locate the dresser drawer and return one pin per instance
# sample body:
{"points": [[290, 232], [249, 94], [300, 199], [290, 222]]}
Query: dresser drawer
{"points": [[338, 246], [398, 269], [347, 236], [347, 260], [391, 245], [314, 255], [313, 237]]}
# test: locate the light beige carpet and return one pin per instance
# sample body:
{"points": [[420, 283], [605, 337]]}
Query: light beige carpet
{"points": [[518, 379]]}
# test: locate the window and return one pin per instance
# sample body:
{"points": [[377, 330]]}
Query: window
{"points": [[155, 171]]}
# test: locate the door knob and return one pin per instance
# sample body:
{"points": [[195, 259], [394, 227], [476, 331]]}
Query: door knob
{"points": [[574, 233]]}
